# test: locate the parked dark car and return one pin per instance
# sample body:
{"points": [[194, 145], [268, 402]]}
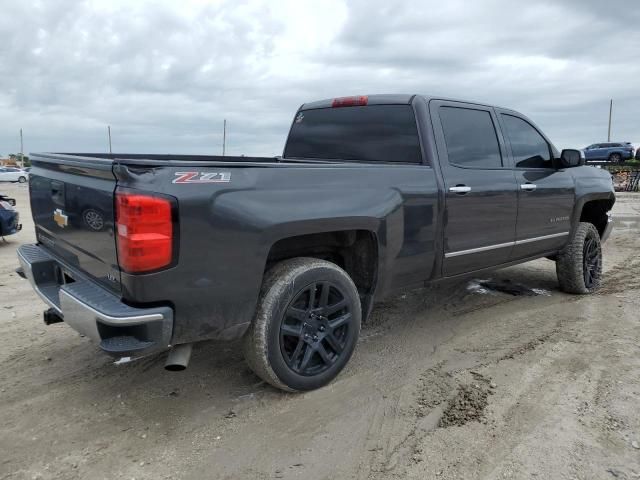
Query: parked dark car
{"points": [[373, 195], [616, 152], [9, 217]]}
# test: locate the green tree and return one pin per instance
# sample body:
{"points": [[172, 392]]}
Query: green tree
{"points": [[16, 158]]}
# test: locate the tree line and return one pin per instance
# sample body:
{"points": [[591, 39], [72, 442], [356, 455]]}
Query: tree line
{"points": [[16, 158]]}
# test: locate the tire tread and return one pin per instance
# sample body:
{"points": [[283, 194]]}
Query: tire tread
{"points": [[277, 280], [569, 262]]}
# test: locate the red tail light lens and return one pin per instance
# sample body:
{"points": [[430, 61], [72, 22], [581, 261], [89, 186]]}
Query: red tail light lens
{"points": [[144, 232], [358, 101]]}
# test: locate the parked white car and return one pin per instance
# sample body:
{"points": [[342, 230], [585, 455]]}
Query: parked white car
{"points": [[12, 174]]}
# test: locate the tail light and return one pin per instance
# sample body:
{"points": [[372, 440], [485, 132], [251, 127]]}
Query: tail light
{"points": [[145, 231], [358, 101]]}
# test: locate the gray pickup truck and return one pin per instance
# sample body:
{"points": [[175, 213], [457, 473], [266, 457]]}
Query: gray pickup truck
{"points": [[374, 194]]}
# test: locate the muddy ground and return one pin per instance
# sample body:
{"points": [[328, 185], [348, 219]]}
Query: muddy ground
{"points": [[460, 381]]}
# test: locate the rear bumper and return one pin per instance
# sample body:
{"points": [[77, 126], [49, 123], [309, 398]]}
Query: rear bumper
{"points": [[93, 311]]}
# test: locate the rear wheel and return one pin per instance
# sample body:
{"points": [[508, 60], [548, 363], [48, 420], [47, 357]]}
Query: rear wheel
{"points": [[579, 264], [22, 179], [93, 219], [306, 325], [615, 158]]}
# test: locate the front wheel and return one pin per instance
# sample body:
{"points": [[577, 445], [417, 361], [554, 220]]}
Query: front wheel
{"points": [[579, 264], [306, 325], [22, 179]]}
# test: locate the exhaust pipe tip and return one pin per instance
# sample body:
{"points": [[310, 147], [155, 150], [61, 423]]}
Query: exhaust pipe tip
{"points": [[50, 317], [175, 368], [179, 357]]}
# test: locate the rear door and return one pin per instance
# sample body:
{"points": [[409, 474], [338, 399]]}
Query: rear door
{"points": [[606, 150], [72, 201], [481, 192], [545, 195]]}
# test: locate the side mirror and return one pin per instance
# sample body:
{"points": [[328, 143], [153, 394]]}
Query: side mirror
{"points": [[570, 158]]}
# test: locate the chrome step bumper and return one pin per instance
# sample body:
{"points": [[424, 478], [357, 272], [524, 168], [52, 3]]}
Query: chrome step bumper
{"points": [[93, 311]]}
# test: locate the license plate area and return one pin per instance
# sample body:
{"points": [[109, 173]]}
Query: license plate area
{"points": [[62, 275]]}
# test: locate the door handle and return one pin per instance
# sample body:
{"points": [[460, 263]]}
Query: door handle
{"points": [[460, 189], [529, 187]]}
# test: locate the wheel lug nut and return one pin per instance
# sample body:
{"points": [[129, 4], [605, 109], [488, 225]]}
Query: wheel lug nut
{"points": [[321, 328], [315, 338]]}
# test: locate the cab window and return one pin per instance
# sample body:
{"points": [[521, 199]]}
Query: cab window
{"points": [[470, 137], [529, 148]]}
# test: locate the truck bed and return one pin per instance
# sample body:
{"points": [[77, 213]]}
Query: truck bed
{"points": [[226, 230], [164, 159]]}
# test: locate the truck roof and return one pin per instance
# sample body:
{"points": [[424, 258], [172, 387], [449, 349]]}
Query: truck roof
{"points": [[387, 99]]}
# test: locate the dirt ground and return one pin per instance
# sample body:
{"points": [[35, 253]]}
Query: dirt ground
{"points": [[460, 381]]}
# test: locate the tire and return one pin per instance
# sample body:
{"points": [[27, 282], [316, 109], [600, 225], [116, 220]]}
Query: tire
{"points": [[294, 343], [22, 180], [93, 219], [616, 158], [579, 264]]}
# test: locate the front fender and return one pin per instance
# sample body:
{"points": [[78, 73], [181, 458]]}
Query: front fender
{"points": [[591, 184]]}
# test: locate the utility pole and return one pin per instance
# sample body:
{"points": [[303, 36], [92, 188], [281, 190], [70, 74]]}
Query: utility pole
{"points": [[610, 112], [109, 133], [21, 151], [224, 137]]}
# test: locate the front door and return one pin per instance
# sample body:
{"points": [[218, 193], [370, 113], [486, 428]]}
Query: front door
{"points": [[481, 191], [594, 152], [545, 196]]}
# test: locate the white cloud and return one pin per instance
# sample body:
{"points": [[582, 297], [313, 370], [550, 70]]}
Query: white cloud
{"points": [[164, 74]]}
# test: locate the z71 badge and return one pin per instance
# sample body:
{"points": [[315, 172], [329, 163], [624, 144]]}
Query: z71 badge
{"points": [[202, 177]]}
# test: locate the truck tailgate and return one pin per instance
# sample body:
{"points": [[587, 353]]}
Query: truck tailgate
{"points": [[73, 210]]}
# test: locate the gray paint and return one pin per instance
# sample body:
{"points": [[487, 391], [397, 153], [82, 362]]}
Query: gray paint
{"points": [[226, 230]]}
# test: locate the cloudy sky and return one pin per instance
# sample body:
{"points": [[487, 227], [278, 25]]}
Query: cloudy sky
{"points": [[164, 74]]}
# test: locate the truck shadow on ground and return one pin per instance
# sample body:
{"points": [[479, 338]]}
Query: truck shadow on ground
{"points": [[219, 385], [218, 397]]}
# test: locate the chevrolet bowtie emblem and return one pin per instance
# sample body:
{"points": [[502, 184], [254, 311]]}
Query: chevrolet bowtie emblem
{"points": [[60, 218]]}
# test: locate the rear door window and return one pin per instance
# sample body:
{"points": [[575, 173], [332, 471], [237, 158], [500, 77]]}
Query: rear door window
{"points": [[529, 148], [470, 137], [372, 133]]}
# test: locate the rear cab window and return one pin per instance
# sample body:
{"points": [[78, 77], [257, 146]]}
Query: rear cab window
{"points": [[371, 133], [470, 137]]}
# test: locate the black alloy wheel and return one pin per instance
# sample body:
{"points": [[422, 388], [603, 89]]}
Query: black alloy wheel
{"points": [[579, 263], [306, 325], [93, 219], [591, 262], [315, 328]]}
